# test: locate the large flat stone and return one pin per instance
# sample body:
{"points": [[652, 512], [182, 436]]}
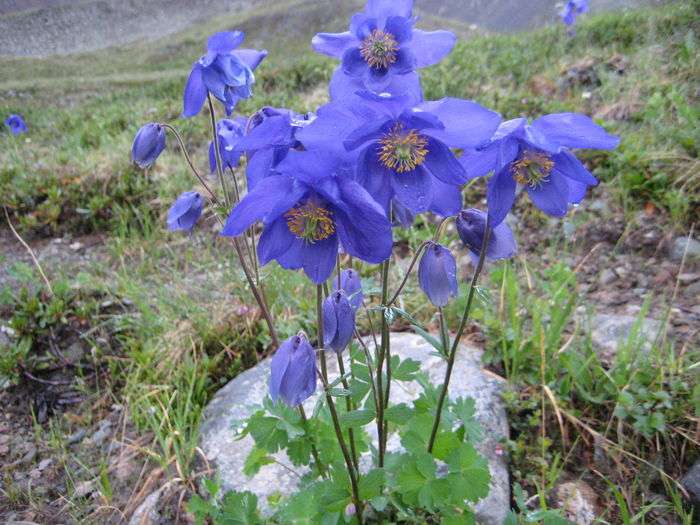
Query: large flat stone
{"points": [[238, 399]]}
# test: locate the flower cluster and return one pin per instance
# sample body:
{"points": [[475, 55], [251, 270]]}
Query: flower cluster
{"points": [[324, 191]]}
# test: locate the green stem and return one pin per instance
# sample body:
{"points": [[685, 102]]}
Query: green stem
{"points": [[314, 450], [380, 364], [348, 406], [217, 153], [408, 273], [444, 336], [458, 335], [352, 473]]}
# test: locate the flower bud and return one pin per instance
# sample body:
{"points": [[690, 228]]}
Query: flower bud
{"points": [[351, 284], [338, 321], [437, 274], [185, 212], [471, 227], [293, 371], [148, 144], [16, 124]]}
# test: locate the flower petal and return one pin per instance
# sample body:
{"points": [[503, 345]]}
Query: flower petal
{"points": [[466, 123], [500, 196], [352, 62], [330, 321], [442, 163], [271, 197], [251, 57], [399, 27], [502, 244], [413, 189], [437, 274], [383, 9], [568, 165], [195, 93], [333, 44], [430, 47], [552, 196], [225, 41], [573, 130], [374, 176], [362, 225], [447, 198], [274, 240], [318, 258]]}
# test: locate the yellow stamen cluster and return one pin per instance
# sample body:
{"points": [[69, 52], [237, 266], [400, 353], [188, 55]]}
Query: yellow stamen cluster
{"points": [[379, 49], [402, 150], [310, 222], [532, 168]]}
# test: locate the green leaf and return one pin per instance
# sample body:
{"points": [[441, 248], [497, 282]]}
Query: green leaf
{"points": [[404, 370], [299, 451], [265, 432], [469, 474], [257, 459], [240, 508], [379, 503], [465, 410], [356, 418], [445, 444], [399, 414], [371, 484]]}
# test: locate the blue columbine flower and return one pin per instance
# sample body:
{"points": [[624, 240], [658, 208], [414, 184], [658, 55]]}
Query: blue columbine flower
{"points": [[382, 45], [536, 156], [149, 143], [271, 134], [437, 274], [338, 321], [404, 151], [471, 227], [225, 72], [293, 371], [351, 284], [16, 124], [185, 212], [572, 9], [307, 209], [230, 133]]}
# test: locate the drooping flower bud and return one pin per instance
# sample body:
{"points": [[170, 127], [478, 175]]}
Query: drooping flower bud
{"points": [[471, 226], [149, 143], [293, 371], [351, 284], [338, 321], [437, 274], [230, 132], [16, 124], [185, 212]]}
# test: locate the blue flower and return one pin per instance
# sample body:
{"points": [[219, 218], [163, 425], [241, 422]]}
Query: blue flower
{"points": [[149, 143], [293, 371], [471, 227], [307, 209], [572, 9], [404, 151], [230, 133], [382, 45], [271, 135], [338, 321], [185, 212], [351, 284], [537, 157], [224, 72], [437, 274], [16, 124]]}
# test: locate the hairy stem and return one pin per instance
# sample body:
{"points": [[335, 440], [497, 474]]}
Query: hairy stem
{"points": [[352, 473], [380, 364], [458, 335], [348, 406], [217, 152]]}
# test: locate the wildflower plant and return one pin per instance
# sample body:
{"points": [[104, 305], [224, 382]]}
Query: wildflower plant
{"points": [[322, 193]]}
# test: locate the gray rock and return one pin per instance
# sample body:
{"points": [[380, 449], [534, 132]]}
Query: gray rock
{"points": [[678, 248], [609, 331], [608, 276], [577, 500], [238, 399], [691, 483]]}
